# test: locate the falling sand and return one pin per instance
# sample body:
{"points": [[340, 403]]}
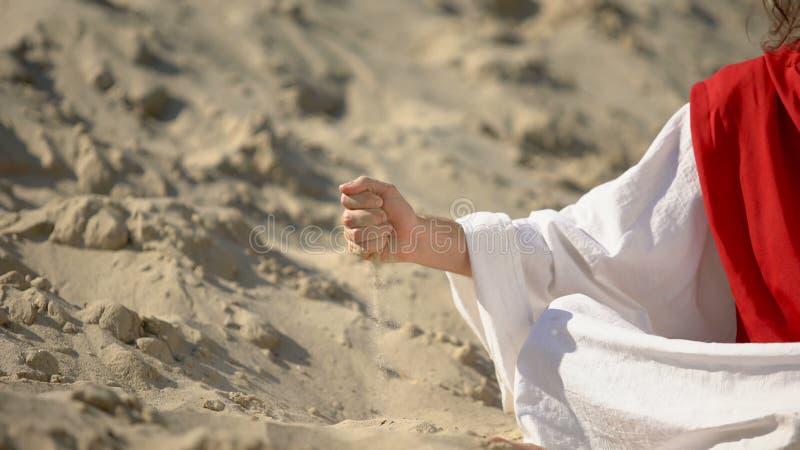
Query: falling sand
{"points": [[376, 289]]}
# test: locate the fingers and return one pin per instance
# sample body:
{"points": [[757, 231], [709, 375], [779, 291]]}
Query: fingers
{"points": [[367, 248], [366, 228], [363, 200], [366, 234], [364, 183], [363, 217]]}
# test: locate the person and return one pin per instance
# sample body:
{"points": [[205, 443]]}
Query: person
{"points": [[662, 309]]}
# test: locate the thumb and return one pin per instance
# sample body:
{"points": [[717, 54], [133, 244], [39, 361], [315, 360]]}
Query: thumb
{"points": [[364, 183]]}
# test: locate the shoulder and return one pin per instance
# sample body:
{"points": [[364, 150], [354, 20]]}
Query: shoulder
{"points": [[719, 103], [739, 73], [726, 89]]}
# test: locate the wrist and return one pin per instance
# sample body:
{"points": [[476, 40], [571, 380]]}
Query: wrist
{"points": [[410, 250]]}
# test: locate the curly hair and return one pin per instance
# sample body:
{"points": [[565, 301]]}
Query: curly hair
{"points": [[784, 24]]}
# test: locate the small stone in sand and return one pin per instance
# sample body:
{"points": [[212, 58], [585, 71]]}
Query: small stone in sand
{"points": [[156, 348], [100, 397], [58, 313], [15, 280], [21, 309], [486, 394], [41, 283], [317, 97], [246, 401], [93, 312], [410, 330], [33, 375], [121, 322], [260, 333], [214, 405], [3, 317], [71, 220], [105, 231], [42, 361], [129, 368], [425, 427], [167, 333], [99, 75], [466, 354], [150, 101], [443, 337], [38, 299]]}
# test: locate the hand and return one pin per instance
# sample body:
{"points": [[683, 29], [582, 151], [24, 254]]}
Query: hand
{"points": [[379, 223]]}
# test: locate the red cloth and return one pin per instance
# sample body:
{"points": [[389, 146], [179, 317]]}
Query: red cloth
{"points": [[745, 122]]}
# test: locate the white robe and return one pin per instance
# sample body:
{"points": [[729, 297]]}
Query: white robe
{"points": [[611, 323]]}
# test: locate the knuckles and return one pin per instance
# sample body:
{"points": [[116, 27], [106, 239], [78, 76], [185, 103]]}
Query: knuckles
{"points": [[362, 200], [347, 219], [359, 218]]}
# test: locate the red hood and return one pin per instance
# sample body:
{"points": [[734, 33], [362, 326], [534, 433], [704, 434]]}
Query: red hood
{"points": [[784, 69]]}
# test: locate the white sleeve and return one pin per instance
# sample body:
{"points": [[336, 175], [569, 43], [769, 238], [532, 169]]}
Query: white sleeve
{"points": [[634, 243]]}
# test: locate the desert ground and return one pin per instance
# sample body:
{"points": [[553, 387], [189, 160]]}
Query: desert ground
{"points": [[171, 271]]}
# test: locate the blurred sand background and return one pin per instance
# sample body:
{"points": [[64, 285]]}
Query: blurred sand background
{"points": [[142, 140]]}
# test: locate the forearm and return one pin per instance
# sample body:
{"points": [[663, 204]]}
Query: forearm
{"points": [[438, 243]]}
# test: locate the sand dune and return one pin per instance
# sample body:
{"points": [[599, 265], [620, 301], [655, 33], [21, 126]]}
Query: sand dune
{"points": [[170, 273]]}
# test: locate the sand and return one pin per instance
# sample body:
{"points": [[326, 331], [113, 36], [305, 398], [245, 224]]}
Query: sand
{"points": [[147, 148]]}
